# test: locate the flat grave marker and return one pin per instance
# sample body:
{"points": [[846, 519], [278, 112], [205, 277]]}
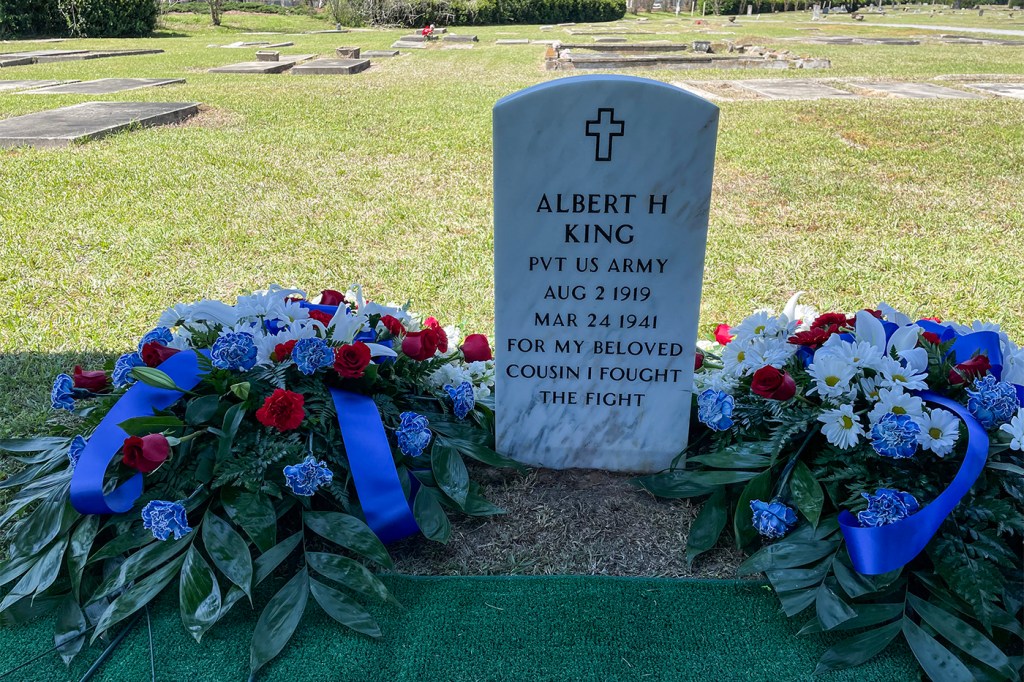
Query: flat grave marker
{"points": [[380, 53], [8, 86], [916, 90], [600, 229], [326, 67], [90, 120], [103, 86], [1014, 90], [791, 88], [284, 63]]}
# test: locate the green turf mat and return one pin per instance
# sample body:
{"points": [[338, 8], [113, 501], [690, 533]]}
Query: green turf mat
{"points": [[524, 629]]}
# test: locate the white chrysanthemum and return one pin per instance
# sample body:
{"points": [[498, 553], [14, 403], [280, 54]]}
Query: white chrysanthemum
{"points": [[479, 374], [897, 401], [832, 376], [841, 427], [860, 354], [909, 377], [717, 380], [1016, 430], [940, 430]]}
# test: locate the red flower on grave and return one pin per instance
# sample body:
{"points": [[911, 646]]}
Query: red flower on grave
{"points": [[351, 360], [283, 351], [321, 317], [282, 410], [331, 297], [393, 325], [476, 348], [773, 384], [698, 360], [91, 380], [154, 353], [421, 345], [964, 372], [442, 336], [147, 453], [723, 334]]}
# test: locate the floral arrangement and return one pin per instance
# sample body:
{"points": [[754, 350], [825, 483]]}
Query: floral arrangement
{"points": [[878, 462], [278, 436]]}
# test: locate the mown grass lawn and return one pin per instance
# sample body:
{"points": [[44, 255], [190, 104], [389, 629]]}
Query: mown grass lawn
{"points": [[385, 179]]}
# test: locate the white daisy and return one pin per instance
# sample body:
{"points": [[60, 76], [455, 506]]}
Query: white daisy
{"points": [[1016, 430], [860, 354], [909, 376], [940, 430], [842, 427], [869, 388], [832, 376], [895, 400], [735, 360], [763, 324], [775, 352]]}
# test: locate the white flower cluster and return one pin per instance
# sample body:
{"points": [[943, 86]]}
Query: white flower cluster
{"points": [[480, 374]]}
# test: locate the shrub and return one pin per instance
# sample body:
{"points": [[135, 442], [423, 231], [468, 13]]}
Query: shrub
{"points": [[478, 12], [92, 18], [23, 18], [119, 18], [251, 7]]}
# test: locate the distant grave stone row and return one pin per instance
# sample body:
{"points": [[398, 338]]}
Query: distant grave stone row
{"points": [[8, 59]]}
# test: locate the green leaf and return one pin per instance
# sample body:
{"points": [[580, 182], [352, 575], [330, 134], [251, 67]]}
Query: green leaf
{"points": [[963, 636], [122, 543], [230, 553], [349, 573], [254, 512], [149, 558], [752, 455], [708, 526], [42, 574], [240, 390], [857, 584], [278, 621], [796, 601], [32, 444], [68, 634], [78, 550], [759, 488], [198, 595], [482, 453], [344, 609], [857, 649], [937, 661], [14, 568], [807, 492], [787, 554], [136, 597], [430, 516], [450, 472], [867, 615], [673, 485], [476, 505], [831, 609], [268, 561], [232, 419], [788, 579], [202, 409], [43, 524], [143, 426], [156, 378], [350, 533]]}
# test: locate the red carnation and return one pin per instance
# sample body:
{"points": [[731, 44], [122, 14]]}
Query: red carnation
{"points": [[154, 353], [283, 351], [393, 325], [442, 335], [812, 338], [283, 410], [773, 384], [698, 360], [829, 319], [321, 317], [723, 334], [331, 297], [931, 337], [91, 380], [147, 453], [476, 348], [351, 360], [978, 366], [421, 345]]}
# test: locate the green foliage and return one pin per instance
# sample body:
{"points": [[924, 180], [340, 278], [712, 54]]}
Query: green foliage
{"points": [[249, 7], [483, 12], [86, 18]]}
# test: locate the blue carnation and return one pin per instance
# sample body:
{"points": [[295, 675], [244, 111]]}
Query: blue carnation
{"points": [[161, 335], [123, 366], [62, 395], [78, 444], [772, 519], [714, 409], [165, 518], [234, 350], [887, 506], [305, 478], [895, 435], [992, 402], [311, 354], [462, 397], [413, 434]]}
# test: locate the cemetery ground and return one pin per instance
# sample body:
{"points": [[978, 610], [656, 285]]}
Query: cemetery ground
{"points": [[385, 178]]}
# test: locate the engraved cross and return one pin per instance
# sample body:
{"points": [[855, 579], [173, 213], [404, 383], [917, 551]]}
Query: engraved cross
{"points": [[605, 128]]}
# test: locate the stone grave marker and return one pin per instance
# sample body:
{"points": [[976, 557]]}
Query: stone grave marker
{"points": [[916, 91], [602, 186], [103, 86], [1014, 90], [25, 85], [459, 38], [284, 63], [268, 56], [327, 67], [791, 88], [380, 53], [512, 41], [347, 52], [91, 120]]}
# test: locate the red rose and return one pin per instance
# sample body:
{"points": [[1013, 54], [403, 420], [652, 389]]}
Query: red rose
{"points": [[442, 335], [931, 337], [146, 454], [350, 360], [331, 297], [476, 348], [393, 325], [723, 334], [321, 317], [698, 360], [283, 351], [283, 410], [773, 384], [154, 353], [92, 380], [977, 366], [421, 345]]}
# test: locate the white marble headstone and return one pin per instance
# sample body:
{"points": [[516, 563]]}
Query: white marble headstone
{"points": [[602, 186]]}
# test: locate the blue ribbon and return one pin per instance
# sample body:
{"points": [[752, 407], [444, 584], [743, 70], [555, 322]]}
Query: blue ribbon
{"points": [[373, 469], [874, 551], [140, 400]]}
